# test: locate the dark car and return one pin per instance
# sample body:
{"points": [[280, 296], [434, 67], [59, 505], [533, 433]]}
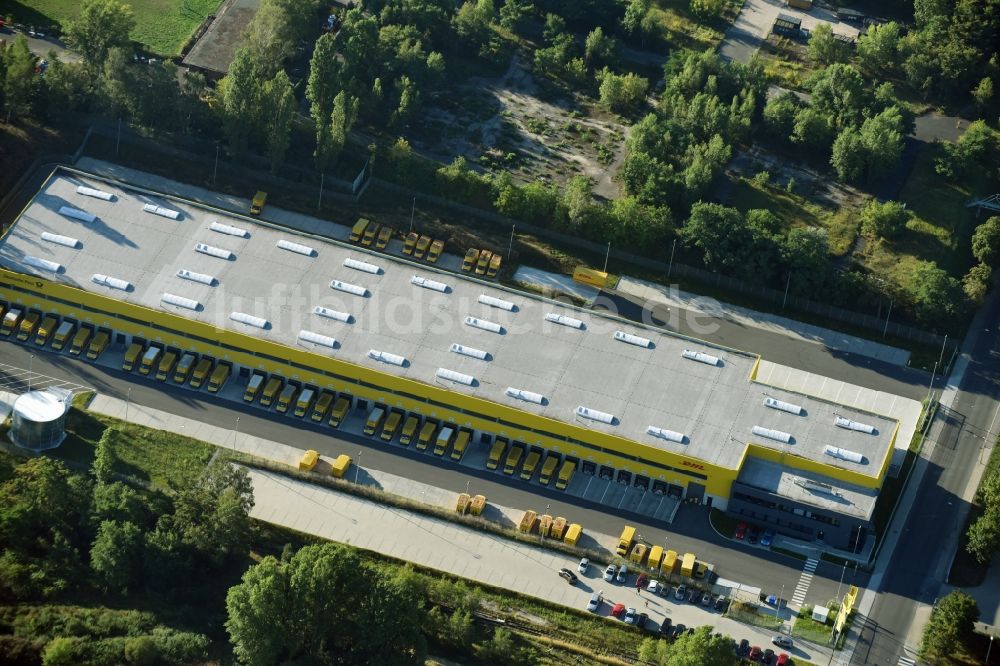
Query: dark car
{"points": [[666, 626], [744, 647], [753, 535], [679, 629], [706, 599], [768, 656], [721, 604], [568, 575], [641, 620], [741, 531], [693, 596], [755, 654], [767, 538]]}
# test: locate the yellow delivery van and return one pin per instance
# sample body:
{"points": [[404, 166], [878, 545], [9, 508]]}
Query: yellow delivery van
{"points": [[322, 406], [309, 460], [669, 562], [253, 387], [548, 468], [375, 418], [391, 425], [340, 465], [565, 474], [573, 534], [63, 334], [271, 390], [98, 345], [496, 453], [80, 340], [359, 229], [28, 325], [10, 321], [513, 458], [45, 330], [287, 397], [201, 371], [530, 463], [426, 435], [626, 540], [461, 442], [687, 564], [131, 356], [149, 359], [184, 367], [305, 401], [166, 366], [218, 377], [410, 427], [339, 410], [655, 556], [443, 440]]}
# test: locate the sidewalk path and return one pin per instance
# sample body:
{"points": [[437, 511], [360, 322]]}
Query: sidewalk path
{"points": [[769, 322]]}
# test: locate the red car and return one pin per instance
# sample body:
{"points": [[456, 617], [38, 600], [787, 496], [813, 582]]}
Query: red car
{"points": [[755, 653], [783, 660], [741, 531], [618, 610]]}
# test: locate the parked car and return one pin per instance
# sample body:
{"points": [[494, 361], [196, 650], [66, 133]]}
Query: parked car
{"points": [[654, 586], [706, 599], [768, 657], [583, 566], [609, 573], [630, 616], [622, 576], [681, 592], [679, 629], [753, 534], [744, 647], [596, 599], [783, 660], [721, 604], [666, 627], [755, 653], [617, 610], [783, 641], [693, 596], [641, 619], [641, 580], [767, 537], [741, 531], [568, 575]]}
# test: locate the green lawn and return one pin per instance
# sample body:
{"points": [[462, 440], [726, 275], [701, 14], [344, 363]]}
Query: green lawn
{"points": [[163, 26], [158, 457], [813, 631]]}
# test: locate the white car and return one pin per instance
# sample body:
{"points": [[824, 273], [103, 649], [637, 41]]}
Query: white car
{"points": [[595, 601], [654, 586], [583, 566], [629, 617], [623, 575], [783, 641], [609, 573]]}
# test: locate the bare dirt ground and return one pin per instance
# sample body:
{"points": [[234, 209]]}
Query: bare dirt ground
{"points": [[505, 123]]}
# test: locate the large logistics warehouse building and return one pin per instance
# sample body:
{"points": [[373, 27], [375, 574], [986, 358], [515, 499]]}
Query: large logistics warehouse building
{"points": [[603, 395]]}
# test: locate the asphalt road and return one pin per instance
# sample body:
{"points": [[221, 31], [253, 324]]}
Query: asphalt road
{"points": [[810, 356], [690, 532], [916, 573]]}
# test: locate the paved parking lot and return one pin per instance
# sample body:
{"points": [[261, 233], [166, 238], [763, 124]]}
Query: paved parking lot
{"points": [[756, 19]]}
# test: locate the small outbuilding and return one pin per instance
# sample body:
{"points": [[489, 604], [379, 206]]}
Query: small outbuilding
{"points": [[848, 14], [800, 4], [789, 26]]}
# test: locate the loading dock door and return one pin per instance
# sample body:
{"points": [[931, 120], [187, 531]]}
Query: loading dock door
{"points": [[696, 492]]}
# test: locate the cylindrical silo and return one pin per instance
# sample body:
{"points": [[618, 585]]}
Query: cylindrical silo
{"points": [[39, 420]]}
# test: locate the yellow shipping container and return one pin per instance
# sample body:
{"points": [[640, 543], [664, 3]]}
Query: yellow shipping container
{"points": [[655, 556], [687, 564], [573, 534], [339, 466], [528, 520], [309, 460], [478, 504]]}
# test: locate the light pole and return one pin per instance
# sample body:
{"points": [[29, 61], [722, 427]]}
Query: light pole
{"points": [[988, 650], [236, 435], [215, 169], [413, 209], [606, 255], [777, 606], [128, 399], [510, 245], [670, 266], [357, 468], [467, 486], [31, 363], [842, 572]]}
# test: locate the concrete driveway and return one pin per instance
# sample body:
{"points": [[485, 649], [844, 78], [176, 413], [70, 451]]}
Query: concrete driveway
{"points": [[754, 23]]}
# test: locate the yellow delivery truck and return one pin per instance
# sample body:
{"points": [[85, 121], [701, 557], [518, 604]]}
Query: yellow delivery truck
{"points": [[305, 401], [28, 325], [375, 418], [166, 366], [10, 321], [461, 442], [548, 468], [409, 429], [253, 387], [287, 397], [184, 367], [687, 564], [132, 356], [271, 389], [513, 458], [149, 359], [427, 433], [45, 330], [530, 463], [322, 406], [359, 229], [391, 425], [218, 377], [626, 540], [443, 440], [63, 334], [80, 340], [201, 371], [496, 453], [98, 345], [339, 410], [565, 474]]}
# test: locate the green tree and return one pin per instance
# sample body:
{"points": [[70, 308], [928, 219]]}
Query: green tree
{"points": [[240, 92], [878, 48], [115, 555], [779, 116], [598, 49], [409, 101], [502, 650], [104, 457], [983, 93], [634, 20], [976, 147], [472, 22], [142, 651], [976, 284], [825, 47], [100, 26], [952, 621], [20, 81], [66, 86], [839, 91], [695, 649], [324, 606], [814, 129], [850, 156], [707, 10], [936, 295], [554, 28], [806, 253], [514, 14], [986, 241], [621, 93], [883, 219], [279, 99], [578, 200]]}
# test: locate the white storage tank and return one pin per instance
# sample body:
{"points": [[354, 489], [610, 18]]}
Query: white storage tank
{"points": [[39, 419]]}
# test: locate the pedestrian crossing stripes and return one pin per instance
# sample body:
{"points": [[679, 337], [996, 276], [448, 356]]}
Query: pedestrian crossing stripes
{"points": [[805, 579], [906, 661]]}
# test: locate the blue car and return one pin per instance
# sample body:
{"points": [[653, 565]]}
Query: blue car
{"points": [[766, 538]]}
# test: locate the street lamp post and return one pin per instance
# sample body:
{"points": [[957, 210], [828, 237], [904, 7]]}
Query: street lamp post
{"points": [[777, 606], [510, 245], [357, 468], [988, 650], [413, 209], [31, 364], [128, 400], [606, 255], [842, 572], [236, 435], [467, 486]]}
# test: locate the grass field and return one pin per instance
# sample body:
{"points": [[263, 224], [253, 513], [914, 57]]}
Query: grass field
{"points": [[162, 459], [163, 26]]}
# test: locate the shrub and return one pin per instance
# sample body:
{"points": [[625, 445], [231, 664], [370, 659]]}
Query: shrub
{"points": [[141, 651]]}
